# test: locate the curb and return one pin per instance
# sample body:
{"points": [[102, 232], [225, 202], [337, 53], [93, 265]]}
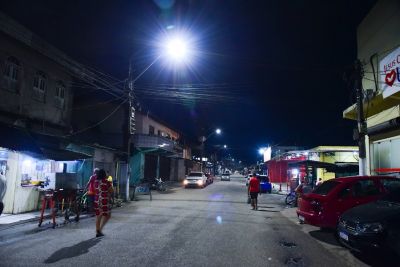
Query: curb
{"points": [[36, 219]]}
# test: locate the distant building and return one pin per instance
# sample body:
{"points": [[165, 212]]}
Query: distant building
{"points": [[379, 49], [325, 162]]}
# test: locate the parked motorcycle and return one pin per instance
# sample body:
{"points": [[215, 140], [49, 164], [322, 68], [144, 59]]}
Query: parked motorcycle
{"points": [[158, 185]]}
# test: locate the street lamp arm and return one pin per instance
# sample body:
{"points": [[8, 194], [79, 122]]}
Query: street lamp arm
{"points": [[148, 67]]}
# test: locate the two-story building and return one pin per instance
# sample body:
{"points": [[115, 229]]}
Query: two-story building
{"points": [[379, 50], [36, 102], [159, 151]]}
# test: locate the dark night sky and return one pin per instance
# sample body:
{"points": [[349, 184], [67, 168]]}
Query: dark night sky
{"points": [[271, 71]]}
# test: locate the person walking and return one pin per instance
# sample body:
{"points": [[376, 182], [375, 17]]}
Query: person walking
{"points": [[253, 190], [3, 188], [103, 189], [91, 191]]}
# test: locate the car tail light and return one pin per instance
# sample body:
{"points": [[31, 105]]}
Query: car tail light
{"points": [[316, 205]]}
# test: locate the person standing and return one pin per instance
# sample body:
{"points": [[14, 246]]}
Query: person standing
{"points": [[253, 190], [91, 190], [103, 189], [3, 188]]}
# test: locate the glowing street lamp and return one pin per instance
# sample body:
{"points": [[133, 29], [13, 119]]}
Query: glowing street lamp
{"points": [[203, 139], [175, 49]]}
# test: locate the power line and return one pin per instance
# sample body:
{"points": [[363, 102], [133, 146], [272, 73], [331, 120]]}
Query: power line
{"points": [[99, 122]]}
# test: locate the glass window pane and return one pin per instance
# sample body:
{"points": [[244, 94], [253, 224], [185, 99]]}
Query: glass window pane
{"points": [[384, 154], [395, 153]]}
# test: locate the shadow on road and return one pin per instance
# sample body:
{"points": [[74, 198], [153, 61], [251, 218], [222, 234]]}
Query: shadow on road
{"points": [[73, 251], [325, 236], [378, 258], [264, 210]]}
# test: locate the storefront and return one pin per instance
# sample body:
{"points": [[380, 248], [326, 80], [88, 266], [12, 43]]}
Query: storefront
{"points": [[385, 155], [25, 174]]}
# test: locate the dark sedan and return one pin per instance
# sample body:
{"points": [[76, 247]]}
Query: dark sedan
{"points": [[375, 225]]}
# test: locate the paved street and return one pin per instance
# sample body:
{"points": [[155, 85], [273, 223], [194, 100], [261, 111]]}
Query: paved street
{"points": [[183, 227]]}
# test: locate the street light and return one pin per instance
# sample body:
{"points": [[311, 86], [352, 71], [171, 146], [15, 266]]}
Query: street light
{"points": [[203, 139], [174, 48]]}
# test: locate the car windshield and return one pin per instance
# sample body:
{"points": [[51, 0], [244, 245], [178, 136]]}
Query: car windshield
{"points": [[393, 196], [326, 187], [195, 174]]}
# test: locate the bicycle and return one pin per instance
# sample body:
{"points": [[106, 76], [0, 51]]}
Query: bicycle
{"points": [[291, 199]]}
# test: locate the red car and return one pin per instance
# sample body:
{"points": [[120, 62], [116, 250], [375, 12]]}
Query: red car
{"points": [[323, 206]]}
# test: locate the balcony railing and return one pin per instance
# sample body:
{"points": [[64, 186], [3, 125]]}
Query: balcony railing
{"points": [[155, 141]]}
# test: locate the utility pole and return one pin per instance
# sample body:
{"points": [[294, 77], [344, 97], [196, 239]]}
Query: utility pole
{"points": [[131, 126], [361, 123]]}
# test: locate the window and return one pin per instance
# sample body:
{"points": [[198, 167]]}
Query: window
{"points": [[151, 130], [326, 187], [11, 74], [364, 188], [344, 193], [391, 184], [60, 95], [39, 86], [12, 69]]}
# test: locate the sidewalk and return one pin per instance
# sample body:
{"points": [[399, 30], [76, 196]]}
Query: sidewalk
{"points": [[7, 219], [10, 219], [280, 188]]}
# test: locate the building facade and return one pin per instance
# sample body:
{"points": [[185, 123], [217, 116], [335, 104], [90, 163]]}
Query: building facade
{"points": [[379, 50]]}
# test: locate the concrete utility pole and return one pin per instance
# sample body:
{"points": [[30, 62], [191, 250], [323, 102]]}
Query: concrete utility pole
{"points": [[362, 126], [131, 126]]}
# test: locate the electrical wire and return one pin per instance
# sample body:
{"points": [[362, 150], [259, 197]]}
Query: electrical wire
{"points": [[99, 122]]}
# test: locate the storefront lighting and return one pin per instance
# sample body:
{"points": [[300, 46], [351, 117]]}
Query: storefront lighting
{"points": [[295, 171], [27, 163]]}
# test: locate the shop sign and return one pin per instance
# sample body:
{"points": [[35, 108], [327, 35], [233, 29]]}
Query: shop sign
{"points": [[389, 69]]}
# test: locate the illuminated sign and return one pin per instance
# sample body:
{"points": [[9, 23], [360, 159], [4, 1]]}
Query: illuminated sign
{"points": [[389, 69]]}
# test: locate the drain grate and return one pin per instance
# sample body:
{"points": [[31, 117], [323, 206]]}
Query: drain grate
{"points": [[288, 244]]}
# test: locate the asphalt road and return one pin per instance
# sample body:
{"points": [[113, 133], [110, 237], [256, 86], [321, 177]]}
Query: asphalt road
{"points": [[182, 227]]}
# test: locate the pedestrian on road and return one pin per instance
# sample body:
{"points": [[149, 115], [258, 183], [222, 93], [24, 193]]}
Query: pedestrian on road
{"points": [[3, 188], [319, 182], [91, 192], [102, 206], [253, 190]]}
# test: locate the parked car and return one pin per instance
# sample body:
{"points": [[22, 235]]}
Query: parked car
{"points": [[225, 176], [195, 179], [324, 205], [374, 225], [210, 178], [265, 185]]}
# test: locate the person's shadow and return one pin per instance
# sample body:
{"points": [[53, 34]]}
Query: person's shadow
{"points": [[73, 251]]}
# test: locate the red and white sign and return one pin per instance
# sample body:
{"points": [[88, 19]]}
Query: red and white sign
{"points": [[389, 69]]}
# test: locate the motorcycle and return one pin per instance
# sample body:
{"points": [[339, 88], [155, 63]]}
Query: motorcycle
{"points": [[158, 185]]}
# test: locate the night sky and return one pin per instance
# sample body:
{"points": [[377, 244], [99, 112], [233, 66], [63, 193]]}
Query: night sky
{"points": [[265, 72]]}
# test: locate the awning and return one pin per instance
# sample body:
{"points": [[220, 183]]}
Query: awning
{"points": [[376, 105], [330, 167], [37, 145], [18, 139]]}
